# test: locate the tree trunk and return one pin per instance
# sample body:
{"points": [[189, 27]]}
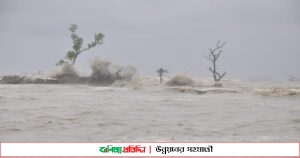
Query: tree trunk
{"points": [[214, 69], [74, 60], [160, 75]]}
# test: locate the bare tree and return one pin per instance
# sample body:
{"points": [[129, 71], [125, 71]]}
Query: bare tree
{"points": [[213, 56], [161, 72]]}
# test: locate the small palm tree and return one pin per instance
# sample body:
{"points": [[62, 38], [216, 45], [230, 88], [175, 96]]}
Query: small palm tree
{"points": [[161, 72]]}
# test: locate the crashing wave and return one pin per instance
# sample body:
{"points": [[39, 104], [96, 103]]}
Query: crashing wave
{"points": [[212, 90], [277, 91]]}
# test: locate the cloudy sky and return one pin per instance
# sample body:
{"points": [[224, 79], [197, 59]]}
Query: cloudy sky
{"points": [[262, 36]]}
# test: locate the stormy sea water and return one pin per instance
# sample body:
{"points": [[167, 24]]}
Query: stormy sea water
{"points": [[145, 111]]}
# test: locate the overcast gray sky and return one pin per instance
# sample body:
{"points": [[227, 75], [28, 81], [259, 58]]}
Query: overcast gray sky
{"points": [[263, 36]]}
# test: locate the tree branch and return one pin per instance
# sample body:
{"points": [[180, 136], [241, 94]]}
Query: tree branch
{"points": [[208, 58], [220, 76]]}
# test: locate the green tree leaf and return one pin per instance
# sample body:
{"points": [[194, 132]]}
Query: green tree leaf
{"points": [[73, 28], [99, 37], [70, 55], [77, 44], [60, 62]]}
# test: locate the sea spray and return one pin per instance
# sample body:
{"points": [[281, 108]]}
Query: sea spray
{"points": [[64, 70], [104, 72], [180, 80]]}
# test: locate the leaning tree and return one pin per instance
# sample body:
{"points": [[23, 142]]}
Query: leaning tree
{"points": [[213, 56], [72, 55]]}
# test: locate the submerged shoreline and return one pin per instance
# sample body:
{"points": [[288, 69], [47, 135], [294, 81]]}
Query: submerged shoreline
{"points": [[77, 112], [199, 85], [143, 110]]}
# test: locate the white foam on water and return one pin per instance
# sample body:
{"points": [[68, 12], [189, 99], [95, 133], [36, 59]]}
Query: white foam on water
{"points": [[144, 110]]}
